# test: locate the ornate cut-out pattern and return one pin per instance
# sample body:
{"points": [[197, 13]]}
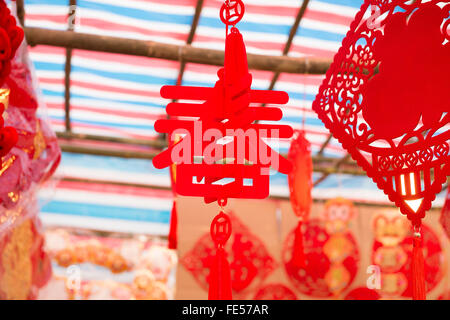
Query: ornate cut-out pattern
{"points": [[385, 98], [204, 161]]}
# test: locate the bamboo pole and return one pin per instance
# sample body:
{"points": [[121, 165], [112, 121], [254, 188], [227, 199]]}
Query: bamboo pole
{"points": [[152, 49]]}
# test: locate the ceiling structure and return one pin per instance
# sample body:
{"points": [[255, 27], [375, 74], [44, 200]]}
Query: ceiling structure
{"points": [[101, 75]]}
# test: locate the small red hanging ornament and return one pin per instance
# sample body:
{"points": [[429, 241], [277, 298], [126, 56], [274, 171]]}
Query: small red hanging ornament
{"points": [[300, 186], [222, 153], [445, 214], [394, 122], [11, 36], [172, 238]]}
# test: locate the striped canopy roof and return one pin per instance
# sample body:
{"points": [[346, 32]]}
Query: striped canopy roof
{"points": [[118, 95]]}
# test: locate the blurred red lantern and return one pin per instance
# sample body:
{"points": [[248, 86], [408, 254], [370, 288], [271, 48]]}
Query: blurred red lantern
{"points": [[300, 186]]}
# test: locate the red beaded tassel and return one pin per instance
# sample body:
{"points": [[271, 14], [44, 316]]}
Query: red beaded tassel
{"points": [[173, 237], [219, 274], [298, 254], [417, 269]]}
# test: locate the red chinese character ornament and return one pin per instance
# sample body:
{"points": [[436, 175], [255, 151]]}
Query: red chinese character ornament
{"points": [[385, 98], [300, 186], [11, 37], [223, 151]]}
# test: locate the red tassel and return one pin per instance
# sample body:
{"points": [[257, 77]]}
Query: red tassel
{"points": [[173, 238], [220, 277], [298, 255], [417, 270]]}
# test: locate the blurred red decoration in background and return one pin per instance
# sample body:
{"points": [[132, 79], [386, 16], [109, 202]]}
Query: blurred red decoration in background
{"points": [[331, 257], [276, 291], [362, 294], [394, 122], [300, 186], [445, 215], [250, 260]]}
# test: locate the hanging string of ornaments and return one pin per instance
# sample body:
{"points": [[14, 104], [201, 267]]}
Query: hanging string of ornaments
{"points": [[385, 98], [222, 151], [11, 37], [300, 186]]}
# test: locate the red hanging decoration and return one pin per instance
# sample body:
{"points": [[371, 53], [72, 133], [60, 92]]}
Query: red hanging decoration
{"points": [[445, 215], [11, 36], [172, 238], [250, 261], [417, 269], [394, 122], [222, 153], [300, 186], [219, 276], [203, 156]]}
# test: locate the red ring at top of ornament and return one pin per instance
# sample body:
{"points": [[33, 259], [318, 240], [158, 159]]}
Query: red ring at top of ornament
{"points": [[232, 12]]}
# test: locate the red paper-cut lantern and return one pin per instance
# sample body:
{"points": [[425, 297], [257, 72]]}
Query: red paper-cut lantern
{"points": [[222, 140], [300, 186], [385, 98], [11, 37]]}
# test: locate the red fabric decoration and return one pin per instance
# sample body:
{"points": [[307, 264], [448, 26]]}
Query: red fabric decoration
{"points": [[393, 123], [445, 215], [8, 138], [250, 261], [417, 268], [11, 37], [298, 255], [219, 277], [229, 100], [300, 185], [362, 294], [173, 237], [222, 139]]}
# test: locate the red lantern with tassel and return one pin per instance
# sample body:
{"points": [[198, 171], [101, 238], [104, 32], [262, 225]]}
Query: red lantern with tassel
{"points": [[300, 186], [385, 98], [223, 141]]}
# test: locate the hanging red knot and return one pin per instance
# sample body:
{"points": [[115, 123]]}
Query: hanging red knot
{"points": [[417, 267], [300, 185], [231, 12], [219, 274]]}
